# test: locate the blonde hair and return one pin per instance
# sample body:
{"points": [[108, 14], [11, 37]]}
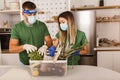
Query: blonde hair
{"points": [[72, 28]]}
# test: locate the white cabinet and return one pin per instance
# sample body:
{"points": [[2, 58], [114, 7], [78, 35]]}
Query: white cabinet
{"points": [[109, 59], [9, 15], [10, 59], [0, 56], [116, 61]]}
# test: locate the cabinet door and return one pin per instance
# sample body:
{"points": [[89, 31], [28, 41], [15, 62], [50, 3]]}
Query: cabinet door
{"points": [[105, 59], [11, 59], [116, 61], [0, 58]]}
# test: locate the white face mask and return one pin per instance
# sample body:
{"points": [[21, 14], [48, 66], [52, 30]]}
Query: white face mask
{"points": [[64, 26], [31, 19]]}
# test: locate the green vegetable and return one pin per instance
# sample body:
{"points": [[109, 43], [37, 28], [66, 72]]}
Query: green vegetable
{"points": [[35, 56], [67, 54]]}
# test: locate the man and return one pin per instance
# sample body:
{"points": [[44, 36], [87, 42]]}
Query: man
{"points": [[29, 35]]}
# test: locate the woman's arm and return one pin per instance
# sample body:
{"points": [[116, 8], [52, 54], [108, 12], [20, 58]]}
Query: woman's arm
{"points": [[84, 51], [55, 42]]}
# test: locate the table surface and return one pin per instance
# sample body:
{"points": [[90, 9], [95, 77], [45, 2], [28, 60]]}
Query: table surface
{"points": [[79, 72]]}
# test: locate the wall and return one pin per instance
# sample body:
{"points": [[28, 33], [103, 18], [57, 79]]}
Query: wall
{"points": [[78, 3], [7, 3], [50, 8]]}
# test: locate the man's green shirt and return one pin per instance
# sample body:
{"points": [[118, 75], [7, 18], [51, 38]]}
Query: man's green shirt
{"points": [[29, 34]]}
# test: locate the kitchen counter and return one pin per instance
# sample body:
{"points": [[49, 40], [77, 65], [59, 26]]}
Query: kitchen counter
{"points": [[107, 49], [80, 72]]}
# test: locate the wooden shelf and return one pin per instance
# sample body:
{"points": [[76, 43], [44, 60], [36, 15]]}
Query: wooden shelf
{"points": [[94, 8], [113, 20], [107, 48], [41, 12], [50, 21], [10, 11]]}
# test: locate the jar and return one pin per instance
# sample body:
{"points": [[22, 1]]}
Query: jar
{"points": [[101, 3], [35, 72]]}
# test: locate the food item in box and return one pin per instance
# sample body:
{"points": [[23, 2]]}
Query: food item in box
{"points": [[52, 69], [56, 69], [35, 72]]}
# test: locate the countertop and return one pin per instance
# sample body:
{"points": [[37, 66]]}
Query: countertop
{"points": [[107, 49], [79, 72]]}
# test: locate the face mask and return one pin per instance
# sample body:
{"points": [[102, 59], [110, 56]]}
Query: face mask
{"points": [[64, 26], [31, 19]]}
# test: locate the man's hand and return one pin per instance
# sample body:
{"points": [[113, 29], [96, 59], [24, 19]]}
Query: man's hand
{"points": [[52, 51], [29, 48], [76, 53], [43, 50]]}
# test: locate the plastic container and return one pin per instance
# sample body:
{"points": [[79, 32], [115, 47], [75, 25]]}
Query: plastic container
{"points": [[48, 68]]}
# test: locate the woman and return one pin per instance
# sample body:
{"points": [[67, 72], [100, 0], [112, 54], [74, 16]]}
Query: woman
{"points": [[69, 37]]}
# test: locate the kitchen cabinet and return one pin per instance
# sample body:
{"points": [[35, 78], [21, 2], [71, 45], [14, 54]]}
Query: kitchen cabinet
{"points": [[10, 59], [9, 13], [9, 18], [109, 59], [107, 24]]}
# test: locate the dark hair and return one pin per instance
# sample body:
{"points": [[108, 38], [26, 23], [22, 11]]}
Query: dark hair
{"points": [[66, 15], [29, 5]]}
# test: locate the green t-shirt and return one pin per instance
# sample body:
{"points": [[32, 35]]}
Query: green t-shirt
{"points": [[32, 34], [79, 41]]}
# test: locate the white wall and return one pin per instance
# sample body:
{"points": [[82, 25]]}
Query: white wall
{"points": [[78, 3], [7, 3]]}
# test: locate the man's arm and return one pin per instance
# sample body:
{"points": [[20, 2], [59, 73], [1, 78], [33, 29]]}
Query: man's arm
{"points": [[14, 46], [48, 41]]}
